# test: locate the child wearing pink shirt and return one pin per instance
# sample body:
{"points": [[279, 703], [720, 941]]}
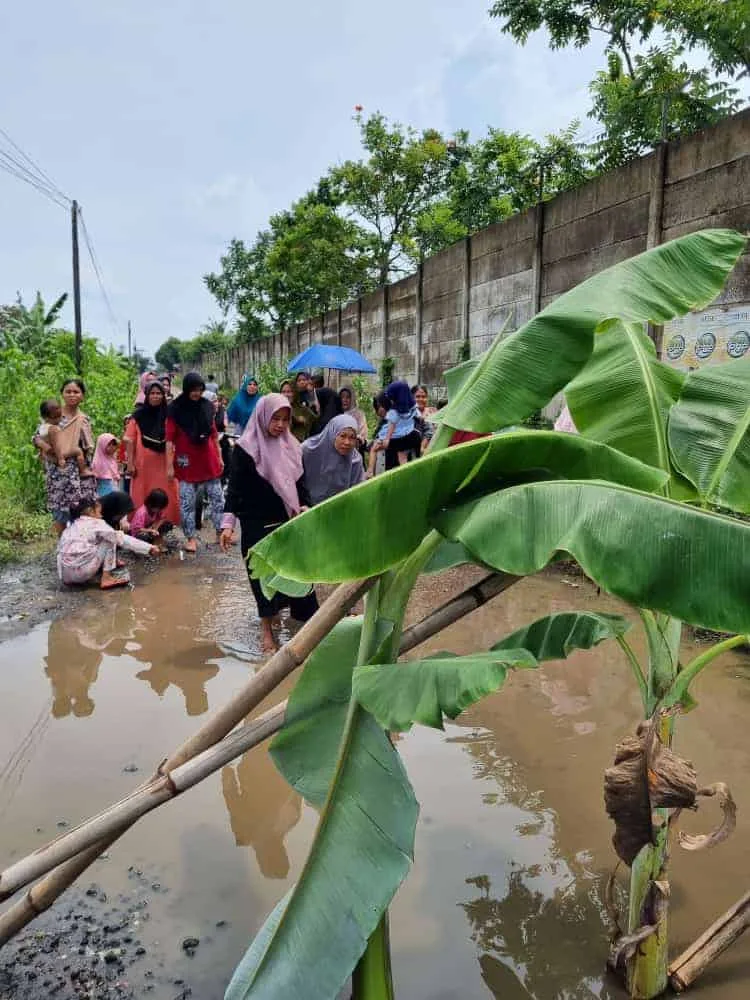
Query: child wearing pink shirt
{"points": [[149, 522]]}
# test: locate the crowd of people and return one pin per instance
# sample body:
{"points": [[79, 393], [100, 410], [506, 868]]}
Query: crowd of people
{"points": [[251, 463]]}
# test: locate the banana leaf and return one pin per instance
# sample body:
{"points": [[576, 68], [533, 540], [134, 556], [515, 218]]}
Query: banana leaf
{"points": [[652, 552], [341, 760], [399, 694], [624, 394], [555, 637], [341, 539], [522, 372], [709, 434]]}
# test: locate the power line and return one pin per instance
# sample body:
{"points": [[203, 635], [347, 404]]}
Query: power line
{"points": [[15, 161], [97, 271], [12, 167], [43, 176]]}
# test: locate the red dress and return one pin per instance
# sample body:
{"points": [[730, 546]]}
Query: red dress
{"points": [[151, 474], [194, 463]]}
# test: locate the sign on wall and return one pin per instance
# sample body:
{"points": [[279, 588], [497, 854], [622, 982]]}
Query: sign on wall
{"points": [[712, 336]]}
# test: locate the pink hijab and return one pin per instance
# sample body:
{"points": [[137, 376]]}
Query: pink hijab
{"points": [[145, 379], [278, 460], [105, 466]]}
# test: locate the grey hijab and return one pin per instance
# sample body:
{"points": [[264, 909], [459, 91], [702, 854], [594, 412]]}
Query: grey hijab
{"points": [[326, 472]]}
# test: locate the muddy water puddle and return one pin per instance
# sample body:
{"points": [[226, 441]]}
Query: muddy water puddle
{"points": [[513, 845]]}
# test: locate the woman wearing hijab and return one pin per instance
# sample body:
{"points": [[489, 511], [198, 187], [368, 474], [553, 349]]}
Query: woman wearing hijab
{"points": [[146, 452], [193, 456], [331, 461], [265, 490], [349, 407], [145, 380], [241, 408]]}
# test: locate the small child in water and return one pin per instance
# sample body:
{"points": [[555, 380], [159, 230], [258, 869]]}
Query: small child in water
{"points": [[49, 442], [148, 522]]}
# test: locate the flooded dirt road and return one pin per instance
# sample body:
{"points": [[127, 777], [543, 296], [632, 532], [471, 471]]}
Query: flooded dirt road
{"points": [[513, 845]]}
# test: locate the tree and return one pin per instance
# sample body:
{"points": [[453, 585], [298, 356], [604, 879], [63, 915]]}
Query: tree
{"points": [[722, 27], [309, 258], [663, 98], [402, 175], [169, 354], [211, 337], [29, 328], [498, 176]]}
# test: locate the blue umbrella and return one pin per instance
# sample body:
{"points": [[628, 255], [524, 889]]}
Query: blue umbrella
{"points": [[342, 359]]}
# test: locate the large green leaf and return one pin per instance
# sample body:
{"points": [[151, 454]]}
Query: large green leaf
{"points": [[364, 841], [709, 433], [624, 394], [374, 526], [399, 694], [650, 551], [522, 372], [555, 637]]}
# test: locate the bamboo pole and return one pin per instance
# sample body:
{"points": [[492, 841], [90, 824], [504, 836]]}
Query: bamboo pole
{"points": [[716, 939], [76, 850], [466, 602], [340, 602]]}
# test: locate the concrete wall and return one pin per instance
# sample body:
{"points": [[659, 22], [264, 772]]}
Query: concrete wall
{"points": [[499, 277]]}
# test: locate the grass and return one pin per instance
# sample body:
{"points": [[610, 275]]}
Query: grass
{"points": [[23, 534]]}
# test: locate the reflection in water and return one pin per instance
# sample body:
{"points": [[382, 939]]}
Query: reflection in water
{"points": [[189, 677], [142, 624], [74, 653], [543, 933], [262, 810], [537, 944]]}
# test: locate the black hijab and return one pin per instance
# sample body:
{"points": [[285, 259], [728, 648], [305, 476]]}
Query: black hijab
{"points": [[152, 419], [194, 416], [115, 506]]}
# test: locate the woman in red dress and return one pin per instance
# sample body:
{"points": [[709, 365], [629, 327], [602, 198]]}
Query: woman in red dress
{"points": [[146, 452], [193, 455]]}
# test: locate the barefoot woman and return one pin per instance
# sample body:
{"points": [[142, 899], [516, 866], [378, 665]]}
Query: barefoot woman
{"points": [[265, 490]]}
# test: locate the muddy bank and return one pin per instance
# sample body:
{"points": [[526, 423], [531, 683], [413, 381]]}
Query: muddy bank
{"points": [[513, 845]]}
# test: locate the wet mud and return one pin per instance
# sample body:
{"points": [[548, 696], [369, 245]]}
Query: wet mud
{"points": [[513, 844]]}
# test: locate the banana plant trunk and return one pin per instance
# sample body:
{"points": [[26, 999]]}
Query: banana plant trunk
{"points": [[647, 969]]}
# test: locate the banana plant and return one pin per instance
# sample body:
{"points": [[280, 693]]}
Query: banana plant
{"points": [[514, 502]]}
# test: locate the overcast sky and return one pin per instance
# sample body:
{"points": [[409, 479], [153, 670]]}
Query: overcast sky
{"points": [[179, 125]]}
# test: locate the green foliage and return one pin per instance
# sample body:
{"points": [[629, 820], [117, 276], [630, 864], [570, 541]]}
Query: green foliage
{"points": [[387, 371], [310, 546], [337, 757], [631, 543], [402, 174], [663, 98], [709, 435], [507, 383], [498, 176], [513, 502], [270, 375], [28, 328], [400, 694], [555, 637], [643, 96], [26, 380], [638, 426], [169, 355]]}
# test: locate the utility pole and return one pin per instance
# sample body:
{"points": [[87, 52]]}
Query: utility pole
{"points": [[76, 285], [130, 342]]}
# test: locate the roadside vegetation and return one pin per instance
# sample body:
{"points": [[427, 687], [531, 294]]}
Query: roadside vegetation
{"points": [[36, 357]]}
